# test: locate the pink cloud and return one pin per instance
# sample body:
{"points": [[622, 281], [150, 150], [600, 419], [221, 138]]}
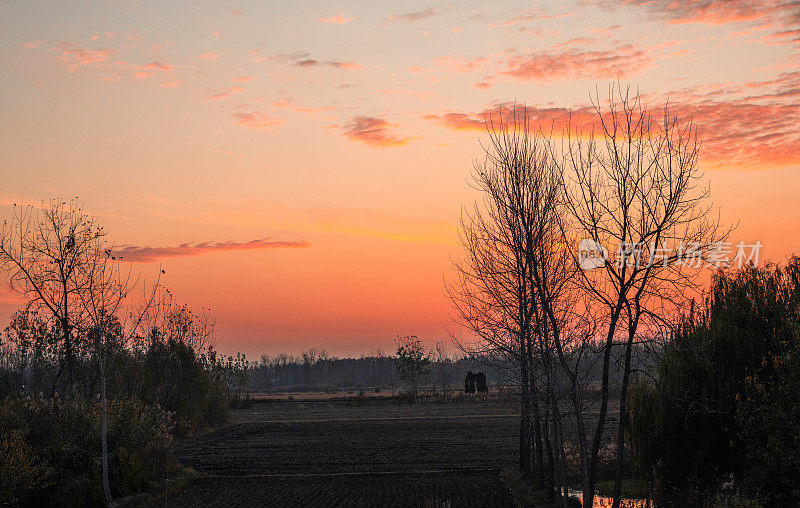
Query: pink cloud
{"points": [[81, 57], [303, 60], [225, 93], [413, 16], [348, 66], [373, 131], [460, 65], [290, 103], [209, 56], [524, 16], [780, 15], [783, 37], [31, 45], [711, 12], [244, 79], [337, 19], [256, 120], [137, 254], [573, 63], [151, 69], [749, 126], [258, 57]]}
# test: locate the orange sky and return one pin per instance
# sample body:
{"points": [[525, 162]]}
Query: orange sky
{"points": [[300, 169]]}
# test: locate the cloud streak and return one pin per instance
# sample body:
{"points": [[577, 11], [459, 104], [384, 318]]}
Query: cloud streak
{"points": [[749, 126], [79, 57], [139, 254], [555, 64], [413, 16], [714, 12], [150, 69], [373, 131], [303, 60], [338, 19], [256, 120], [225, 93]]}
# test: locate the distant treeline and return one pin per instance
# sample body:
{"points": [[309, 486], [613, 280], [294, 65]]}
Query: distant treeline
{"points": [[315, 370]]}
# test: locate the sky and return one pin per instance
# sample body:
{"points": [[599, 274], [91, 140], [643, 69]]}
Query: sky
{"points": [[299, 168]]}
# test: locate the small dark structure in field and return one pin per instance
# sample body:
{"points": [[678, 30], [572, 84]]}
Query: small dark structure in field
{"points": [[480, 383], [469, 383]]}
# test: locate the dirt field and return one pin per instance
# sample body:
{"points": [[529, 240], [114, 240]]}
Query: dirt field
{"points": [[337, 454]]}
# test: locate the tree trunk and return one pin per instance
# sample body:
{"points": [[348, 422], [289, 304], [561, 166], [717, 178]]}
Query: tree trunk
{"points": [[623, 399], [525, 416], [103, 437], [591, 478], [550, 461], [69, 354], [538, 453]]}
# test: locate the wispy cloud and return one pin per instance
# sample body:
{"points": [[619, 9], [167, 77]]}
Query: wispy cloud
{"points": [[576, 63], [291, 103], [451, 64], [151, 69], [304, 60], [711, 12], [146, 254], [225, 93], [539, 118], [256, 120], [537, 14], [258, 56], [209, 56], [414, 15], [78, 56], [746, 126], [373, 131], [780, 17], [337, 19]]}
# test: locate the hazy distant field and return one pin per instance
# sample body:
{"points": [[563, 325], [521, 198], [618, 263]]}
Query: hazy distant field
{"points": [[332, 453]]}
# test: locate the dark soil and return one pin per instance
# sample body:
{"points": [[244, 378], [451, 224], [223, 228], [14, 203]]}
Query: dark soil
{"points": [[335, 454]]}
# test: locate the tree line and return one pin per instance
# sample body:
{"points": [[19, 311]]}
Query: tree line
{"points": [[314, 370]]}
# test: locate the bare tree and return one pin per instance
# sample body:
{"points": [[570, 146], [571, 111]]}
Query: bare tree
{"points": [[42, 250], [57, 257], [495, 297], [443, 365], [412, 363], [111, 319], [635, 185]]}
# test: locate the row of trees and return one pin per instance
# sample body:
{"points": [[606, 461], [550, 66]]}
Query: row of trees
{"points": [[628, 179], [412, 364]]}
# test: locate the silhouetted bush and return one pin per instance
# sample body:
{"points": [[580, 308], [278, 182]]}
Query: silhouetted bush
{"points": [[192, 387], [721, 420], [51, 450]]}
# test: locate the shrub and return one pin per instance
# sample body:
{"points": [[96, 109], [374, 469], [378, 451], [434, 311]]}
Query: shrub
{"points": [[723, 415], [51, 450], [174, 377], [21, 470]]}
